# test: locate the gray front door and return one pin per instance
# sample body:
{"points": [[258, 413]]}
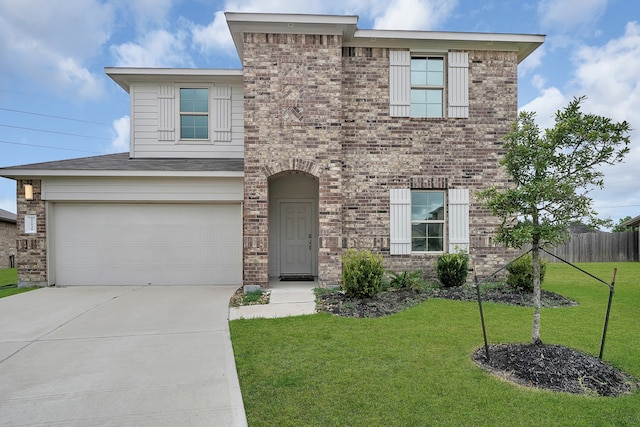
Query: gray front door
{"points": [[296, 238]]}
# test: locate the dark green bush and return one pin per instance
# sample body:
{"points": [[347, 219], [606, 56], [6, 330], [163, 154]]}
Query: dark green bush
{"points": [[520, 273], [453, 269], [362, 273]]}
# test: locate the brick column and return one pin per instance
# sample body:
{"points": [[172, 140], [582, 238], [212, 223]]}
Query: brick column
{"points": [[31, 256], [293, 110]]}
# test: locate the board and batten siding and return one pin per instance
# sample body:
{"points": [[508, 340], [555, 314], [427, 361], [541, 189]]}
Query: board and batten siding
{"points": [[155, 129], [143, 189]]}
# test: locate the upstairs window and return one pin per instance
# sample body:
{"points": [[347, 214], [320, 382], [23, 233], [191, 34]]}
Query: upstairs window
{"points": [[417, 84], [427, 86], [194, 113]]}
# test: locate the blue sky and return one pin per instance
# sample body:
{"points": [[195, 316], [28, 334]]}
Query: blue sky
{"points": [[57, 103]]}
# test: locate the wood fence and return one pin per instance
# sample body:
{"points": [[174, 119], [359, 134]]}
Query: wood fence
{"points": [[597, 247]]}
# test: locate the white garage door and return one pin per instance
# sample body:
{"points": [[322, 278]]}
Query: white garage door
{"points": [[140, 244]]}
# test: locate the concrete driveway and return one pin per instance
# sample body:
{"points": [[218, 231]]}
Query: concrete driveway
{"points": [[118, 355]]}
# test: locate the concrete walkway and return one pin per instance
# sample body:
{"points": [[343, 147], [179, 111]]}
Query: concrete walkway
{"points": [[118, 356], [287, 299]]}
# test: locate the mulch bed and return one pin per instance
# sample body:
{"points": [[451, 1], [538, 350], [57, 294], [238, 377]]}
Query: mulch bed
{"points": [[556, 368], [394, 301], [550, 367]]}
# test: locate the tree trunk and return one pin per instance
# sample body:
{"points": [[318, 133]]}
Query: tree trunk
{"points": [[535, 255]]}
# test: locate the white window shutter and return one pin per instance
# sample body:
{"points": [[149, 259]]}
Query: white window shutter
{"points": [[400, 83], [400, 221], [458, 84], [166, 113], [221, 113], [458, 220]]}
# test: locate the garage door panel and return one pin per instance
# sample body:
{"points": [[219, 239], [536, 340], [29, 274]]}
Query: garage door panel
{"points": [[139, 244]]}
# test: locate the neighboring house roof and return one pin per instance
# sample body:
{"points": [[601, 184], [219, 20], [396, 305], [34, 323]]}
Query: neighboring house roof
{"points": [[633, 222], [346, 26], [121, 165], [6, 216]]}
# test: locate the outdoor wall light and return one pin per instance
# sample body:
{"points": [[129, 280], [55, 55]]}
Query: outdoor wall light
{"points": [[28, 192]]}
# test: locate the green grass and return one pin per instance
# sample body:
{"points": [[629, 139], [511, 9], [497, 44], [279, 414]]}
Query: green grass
{"points": [[415, 368], [9, 276]]}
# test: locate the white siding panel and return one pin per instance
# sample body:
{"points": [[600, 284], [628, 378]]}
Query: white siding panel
{"points": [[458, 84], [143, 189], [167, 113], [458, 220], [154, 122], [400, 83], [140, 244], [400, 221]]}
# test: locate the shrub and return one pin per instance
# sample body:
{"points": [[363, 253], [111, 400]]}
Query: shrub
{"points": [[520, 273], [362, 273], [453, 269], [406, 280]]}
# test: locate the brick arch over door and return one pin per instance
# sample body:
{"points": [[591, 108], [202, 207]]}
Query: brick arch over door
{"points": [[292, 165]]}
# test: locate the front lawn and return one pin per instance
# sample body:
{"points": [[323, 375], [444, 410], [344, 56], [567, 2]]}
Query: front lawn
{"points": [[9, 277], [415, 367]]}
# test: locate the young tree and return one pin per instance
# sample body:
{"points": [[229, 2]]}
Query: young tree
{"points": [[552, 173]]}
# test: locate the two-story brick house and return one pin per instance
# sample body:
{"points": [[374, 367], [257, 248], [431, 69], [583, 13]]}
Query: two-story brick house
{"points": [[329, 137]]}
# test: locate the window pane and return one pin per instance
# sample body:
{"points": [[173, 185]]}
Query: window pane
{"points": [[435, 231], [418, 206], [194, 100], [418, 230], [435, 64], [418, 78], [436, 237], [194, 127], [418, 245], [418, 110], [436, 205], [434, 245], [435, 78], [418, 96], [419, 64]]}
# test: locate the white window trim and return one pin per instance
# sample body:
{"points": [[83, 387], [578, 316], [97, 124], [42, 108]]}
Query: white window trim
{"points": [[443, 221], [179, 114], [443, 87]]}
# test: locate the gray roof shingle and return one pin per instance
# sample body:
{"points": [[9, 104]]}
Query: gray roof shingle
{"points": [[6, 216], [122, 162]]}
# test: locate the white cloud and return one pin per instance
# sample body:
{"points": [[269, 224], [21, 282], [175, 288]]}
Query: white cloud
{"points": [[213, 36], [545, 106], [157, 48], [415, 14], [608, 75], [52, 42], [121, 127], [532, 61], [567, 15]]}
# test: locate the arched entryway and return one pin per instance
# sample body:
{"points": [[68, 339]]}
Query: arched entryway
{"points": [[293, 225]]}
